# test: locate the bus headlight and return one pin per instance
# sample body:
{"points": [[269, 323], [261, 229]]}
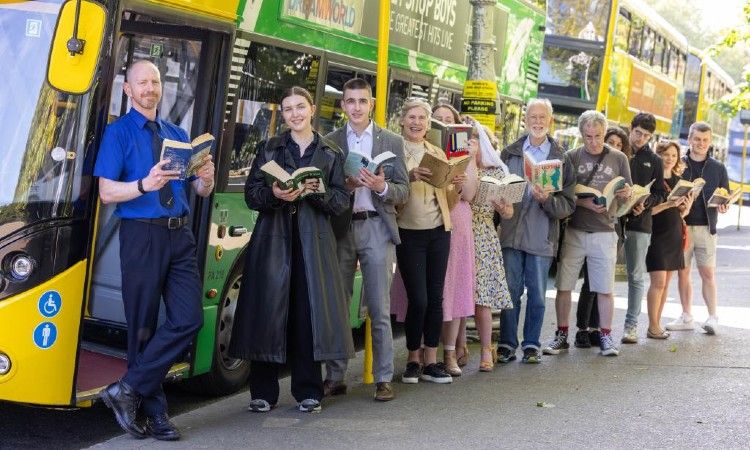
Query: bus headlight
{"points": [[4, 364], [21, 266]]}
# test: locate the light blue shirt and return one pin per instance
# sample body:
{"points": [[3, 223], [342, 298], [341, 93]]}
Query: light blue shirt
{"points": [[540, 153]]}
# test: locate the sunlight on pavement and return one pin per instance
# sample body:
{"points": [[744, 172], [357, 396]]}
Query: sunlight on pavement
{"points": [[729, 316]]}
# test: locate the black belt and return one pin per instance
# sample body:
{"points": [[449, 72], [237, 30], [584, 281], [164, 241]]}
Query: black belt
{"points": [[172, 223], [363, 215]]}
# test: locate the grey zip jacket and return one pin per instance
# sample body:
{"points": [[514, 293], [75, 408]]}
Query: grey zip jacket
{"points": [[534, 227]]}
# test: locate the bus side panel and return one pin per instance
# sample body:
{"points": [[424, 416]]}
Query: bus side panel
{"points": [[39, 333], [617, 106], [229, 210]]}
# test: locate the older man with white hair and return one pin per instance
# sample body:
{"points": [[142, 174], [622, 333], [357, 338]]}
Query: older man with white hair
{"points": [[590, 234], [529, 237]]}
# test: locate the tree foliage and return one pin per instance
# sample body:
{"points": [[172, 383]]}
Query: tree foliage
{"points": [[737, 38]]}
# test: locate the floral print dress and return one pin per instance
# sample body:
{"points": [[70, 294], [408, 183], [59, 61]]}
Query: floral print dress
{"points": [[490, 288]]}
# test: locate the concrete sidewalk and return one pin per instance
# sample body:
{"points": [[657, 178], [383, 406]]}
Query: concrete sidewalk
{"points": [[690, 391]]}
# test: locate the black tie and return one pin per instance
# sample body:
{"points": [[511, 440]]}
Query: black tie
{"points": [[165, 193]]}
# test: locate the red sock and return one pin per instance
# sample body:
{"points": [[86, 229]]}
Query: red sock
{"points": [[563, 330], [606, 331]]}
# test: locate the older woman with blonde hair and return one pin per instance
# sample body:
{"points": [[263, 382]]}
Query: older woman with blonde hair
{"points": [[424, 227]]}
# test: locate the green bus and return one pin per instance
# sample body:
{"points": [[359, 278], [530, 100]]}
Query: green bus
{"points": [[224, 64]]}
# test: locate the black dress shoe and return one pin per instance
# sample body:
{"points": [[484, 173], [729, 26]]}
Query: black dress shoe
{"points": [[161, 428], [124, 402]]}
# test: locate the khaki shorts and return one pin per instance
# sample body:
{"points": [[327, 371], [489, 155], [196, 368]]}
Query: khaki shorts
{"points": [[702, 244], [600, 252]]}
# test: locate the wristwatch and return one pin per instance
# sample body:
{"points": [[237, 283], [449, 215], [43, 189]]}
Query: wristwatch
{"points": [[140, 186]]}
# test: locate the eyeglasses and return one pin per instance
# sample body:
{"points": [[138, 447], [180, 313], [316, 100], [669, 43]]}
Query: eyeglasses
{"points": [[641, 135]]}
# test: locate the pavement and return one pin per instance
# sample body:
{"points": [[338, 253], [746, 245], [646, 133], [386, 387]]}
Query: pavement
{"points": [[688, 391]]}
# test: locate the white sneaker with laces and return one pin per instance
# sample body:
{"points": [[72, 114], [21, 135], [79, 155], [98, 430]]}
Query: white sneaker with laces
{"points": [[630, 335], [682, 323], [711, 324]]}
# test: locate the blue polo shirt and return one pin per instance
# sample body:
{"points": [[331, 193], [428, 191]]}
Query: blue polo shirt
{"points": [[125, 155]]}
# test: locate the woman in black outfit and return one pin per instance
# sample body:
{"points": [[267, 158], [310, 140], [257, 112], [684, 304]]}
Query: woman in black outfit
{"points": [[665, 254], [292, 307]]}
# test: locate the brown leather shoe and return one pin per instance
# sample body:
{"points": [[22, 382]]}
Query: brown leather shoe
{"points": [[384, 392], [331, 388]]}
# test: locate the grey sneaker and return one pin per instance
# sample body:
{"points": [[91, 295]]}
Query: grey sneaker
{"points": [[557, 345], [259, 405], [682, 323], [630, 335], [310, 405], [608, 346]]}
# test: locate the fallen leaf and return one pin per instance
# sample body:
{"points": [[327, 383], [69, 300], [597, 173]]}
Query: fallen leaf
{"points": [[544, 405], [673, 348]]}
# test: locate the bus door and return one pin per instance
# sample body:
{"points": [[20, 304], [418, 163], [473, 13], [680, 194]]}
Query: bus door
{"points": [[187, 62]]}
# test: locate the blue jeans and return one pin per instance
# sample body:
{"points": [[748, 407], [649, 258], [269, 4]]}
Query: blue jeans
{"points": [[636, 246], [521, 269]]}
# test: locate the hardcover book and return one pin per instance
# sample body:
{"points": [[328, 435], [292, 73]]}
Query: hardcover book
{"points": [[187, 157]]}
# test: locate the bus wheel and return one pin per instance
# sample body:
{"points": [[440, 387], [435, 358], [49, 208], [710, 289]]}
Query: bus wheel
{"points": [[228, 374]]}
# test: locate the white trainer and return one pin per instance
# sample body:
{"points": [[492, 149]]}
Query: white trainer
{"points": [[711, 325], [682, 323]]}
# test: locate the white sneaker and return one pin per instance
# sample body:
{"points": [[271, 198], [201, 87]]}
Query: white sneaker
{"points": [[682, 323], [630, 335], [711, 325]]}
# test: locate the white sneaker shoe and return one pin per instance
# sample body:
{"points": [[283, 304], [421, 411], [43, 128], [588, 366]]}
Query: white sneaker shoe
{"points": [[711, 324], [630, 335], [682, 323]]}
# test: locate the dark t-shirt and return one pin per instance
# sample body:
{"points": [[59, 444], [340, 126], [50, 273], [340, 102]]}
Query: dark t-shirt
{"points": [[698, 214]]}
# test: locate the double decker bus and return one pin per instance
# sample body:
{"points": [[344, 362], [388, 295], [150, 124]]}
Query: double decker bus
{"points": [[61, 313], [705, 84], [618, 57]]}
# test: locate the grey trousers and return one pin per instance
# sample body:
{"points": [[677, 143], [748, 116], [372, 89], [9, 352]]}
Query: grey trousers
{"points": [[369, 242]]}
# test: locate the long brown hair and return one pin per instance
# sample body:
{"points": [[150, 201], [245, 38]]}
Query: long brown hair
{"points": [[620, 133], [663, 146]]}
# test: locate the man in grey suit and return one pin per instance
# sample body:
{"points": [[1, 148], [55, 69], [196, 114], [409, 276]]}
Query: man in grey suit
{"points": [[367, 231]]}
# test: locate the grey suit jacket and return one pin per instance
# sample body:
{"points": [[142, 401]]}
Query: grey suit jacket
{"points": [[396, 176]]}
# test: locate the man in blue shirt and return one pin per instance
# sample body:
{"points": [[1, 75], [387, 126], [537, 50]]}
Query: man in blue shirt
{"points": [[157, 251]]}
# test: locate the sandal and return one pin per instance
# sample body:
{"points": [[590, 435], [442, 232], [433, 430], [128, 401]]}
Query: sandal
{"points": [[485, 365], [659, 335], [464, 358], [450, 363]]}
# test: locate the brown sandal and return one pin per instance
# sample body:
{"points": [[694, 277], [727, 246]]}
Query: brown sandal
{"points": [[464, 358], [488, 366], [659, 335], [451, 365]]}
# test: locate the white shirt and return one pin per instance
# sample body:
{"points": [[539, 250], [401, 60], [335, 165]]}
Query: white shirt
{"points": [[362, 144]]}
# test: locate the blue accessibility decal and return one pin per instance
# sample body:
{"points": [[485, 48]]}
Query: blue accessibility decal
{"points": [[50, 303], [45, 335]]}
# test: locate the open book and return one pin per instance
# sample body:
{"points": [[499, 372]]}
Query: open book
{"points": [[509, 188], [452, 138], [443, 172], [638, 195], [356, 161], [308, 178], [723, 197], [187, 157], [545, 174], [606, 196], [685, 187]]}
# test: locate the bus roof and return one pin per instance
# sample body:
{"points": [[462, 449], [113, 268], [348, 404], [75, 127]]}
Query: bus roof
{"points": [[655, 21]]}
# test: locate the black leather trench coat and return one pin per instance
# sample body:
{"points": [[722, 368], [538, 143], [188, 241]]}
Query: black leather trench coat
{"points": [[260, 327]]}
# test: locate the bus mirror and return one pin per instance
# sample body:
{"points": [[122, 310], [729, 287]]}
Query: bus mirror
{"points": [[76, 45]]}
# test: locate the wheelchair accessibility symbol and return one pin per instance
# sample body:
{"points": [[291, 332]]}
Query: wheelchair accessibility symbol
{"points": [[45, 335], [50, 303]]}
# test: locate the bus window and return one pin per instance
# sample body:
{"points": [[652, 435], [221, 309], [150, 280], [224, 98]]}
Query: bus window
{"points": [[649, 39], [581, 19], [398, 92], [673, 61], [569, 72], [659, 54], [622, 30], [267, 71], [330, 115], [636, 36]]}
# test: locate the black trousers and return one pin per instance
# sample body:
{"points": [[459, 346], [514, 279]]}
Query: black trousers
{"points": [[587, 314], [423, 260], [307, 381], [158, 263]]}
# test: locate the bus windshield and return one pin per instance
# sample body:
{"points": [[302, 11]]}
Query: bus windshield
{"points": [[41, 158]]}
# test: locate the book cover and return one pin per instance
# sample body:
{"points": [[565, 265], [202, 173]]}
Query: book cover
{"points": [[186, 157], [545, 174], [452, 138], [511, 188], [638, 195], [443, 172], [721, 196], [685, 187], [310, 179], [606, 196], [356, 161]]}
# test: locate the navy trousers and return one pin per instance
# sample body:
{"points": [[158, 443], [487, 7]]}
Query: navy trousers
{"points": [[158, 263]]}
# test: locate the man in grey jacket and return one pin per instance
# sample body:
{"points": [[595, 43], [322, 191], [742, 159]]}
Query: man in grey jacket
{"points": [[367, 231], [529, 238]]}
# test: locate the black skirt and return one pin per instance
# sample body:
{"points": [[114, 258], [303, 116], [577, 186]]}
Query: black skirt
{"points": [[665, 251]]}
